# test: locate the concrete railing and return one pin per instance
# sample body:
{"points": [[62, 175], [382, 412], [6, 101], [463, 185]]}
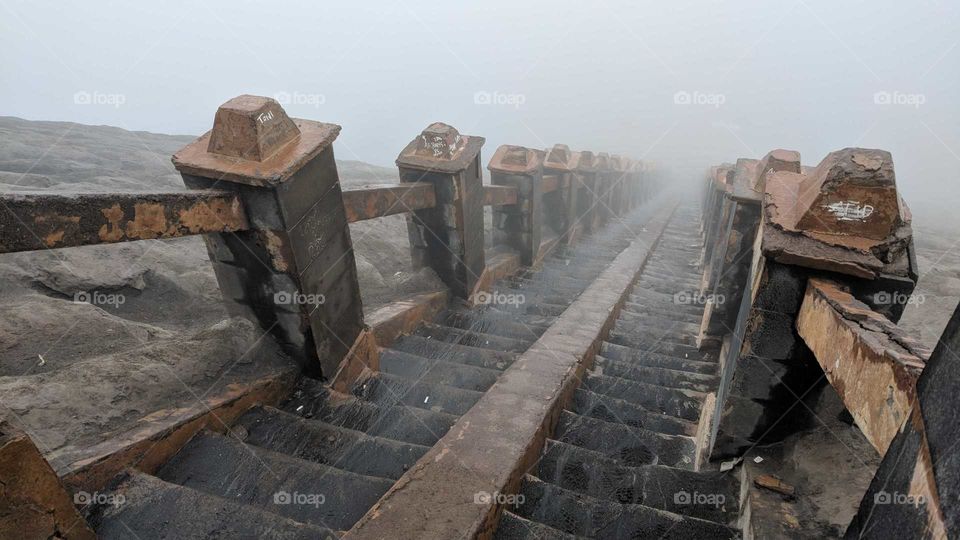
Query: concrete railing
{"points": [[806, 271], [265, 193]]}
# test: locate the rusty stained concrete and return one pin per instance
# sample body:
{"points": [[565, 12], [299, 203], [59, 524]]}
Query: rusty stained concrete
{"points": [[379, 201], [871, 363], [45, 221], [33, 502], [499, 195], [844, 216]]}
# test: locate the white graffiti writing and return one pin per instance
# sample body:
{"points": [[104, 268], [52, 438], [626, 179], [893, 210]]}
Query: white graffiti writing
{"points": [[849, 210]]}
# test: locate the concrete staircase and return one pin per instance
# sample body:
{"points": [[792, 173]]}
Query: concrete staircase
{"points": [[311, 467], [621, 461]]}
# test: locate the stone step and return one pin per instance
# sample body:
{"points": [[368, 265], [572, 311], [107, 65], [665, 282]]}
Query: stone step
{"points": [[706, 364], [579, 514], [616, 410], [658, 344], [710, 495], [659, 376], [477, 320], [683, 404], [630, 445], [668, 286], [386, 389], [223, 466], [530, 296], [631, 309], [147, 507], [538, 278], [657, 324], [411, 366], [516, 316], [449, 334], [542, 309], [313, 400], [514, 527], [452, 352], [686, 278], [323, 443], [652, 334]]}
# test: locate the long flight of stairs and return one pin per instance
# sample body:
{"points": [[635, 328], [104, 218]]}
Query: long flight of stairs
{"points": [[312, 466], [620, 463]]}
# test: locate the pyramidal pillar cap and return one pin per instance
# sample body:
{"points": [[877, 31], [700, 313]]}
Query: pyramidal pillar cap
{"points": [[440, 148], [559, 158], [254, 142], [512, 159]]}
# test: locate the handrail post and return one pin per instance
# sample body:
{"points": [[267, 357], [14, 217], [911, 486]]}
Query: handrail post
{"points": [[604, 187], [294, 271], [563, 205], [585, 178], [519, 225], [448, 237]]}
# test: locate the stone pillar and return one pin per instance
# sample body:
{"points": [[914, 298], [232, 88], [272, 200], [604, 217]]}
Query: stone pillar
{"points": [[519, 225], [585, 177], [560, 206], [619, 189], [293, 272], [448, 237], [605, 177], [727, 271]]}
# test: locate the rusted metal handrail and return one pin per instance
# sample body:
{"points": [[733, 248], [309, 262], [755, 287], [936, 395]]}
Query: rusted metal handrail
{"points": [[35, 221], [500, 195], [379, 201]]}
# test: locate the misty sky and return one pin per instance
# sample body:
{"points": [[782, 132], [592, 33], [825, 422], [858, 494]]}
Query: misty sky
{"points": [[599, 75]]}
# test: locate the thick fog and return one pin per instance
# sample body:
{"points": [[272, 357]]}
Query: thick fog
{"points": [[686, 84]]}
